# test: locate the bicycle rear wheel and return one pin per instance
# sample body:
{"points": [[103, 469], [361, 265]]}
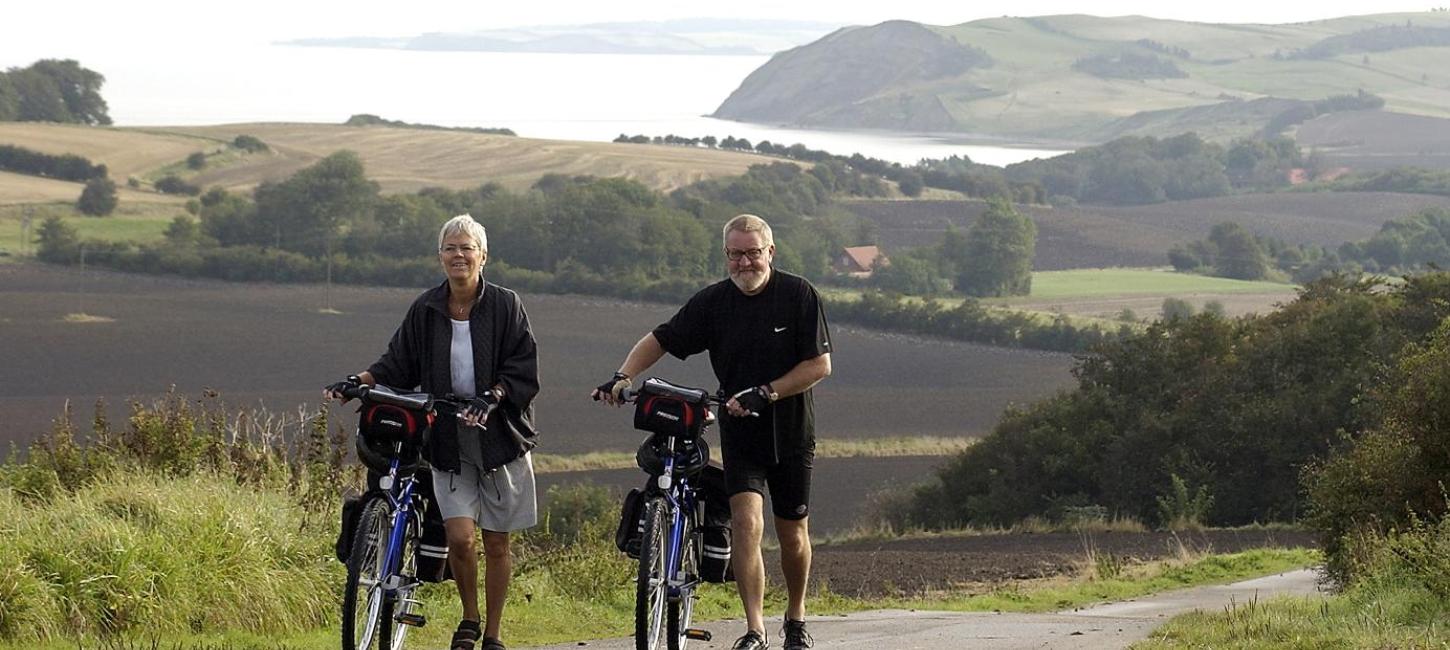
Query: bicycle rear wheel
{"points": [[682, 609], [652, 585], [366, 610]]}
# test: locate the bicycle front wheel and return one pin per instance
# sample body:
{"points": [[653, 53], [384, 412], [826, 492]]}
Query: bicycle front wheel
{"points": [[652, 586], [682, 609], [366, 610], [403, 601]]}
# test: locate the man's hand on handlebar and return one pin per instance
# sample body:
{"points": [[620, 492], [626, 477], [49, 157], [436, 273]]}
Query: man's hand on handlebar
{"points": [[751, 401], [611, 391], [343, 390]]}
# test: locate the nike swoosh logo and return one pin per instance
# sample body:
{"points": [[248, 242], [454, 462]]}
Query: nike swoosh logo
{"points": [[779, 330]]}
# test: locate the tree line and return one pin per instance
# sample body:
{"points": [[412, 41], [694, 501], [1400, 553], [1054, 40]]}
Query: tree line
{"points": [[1410, 244], [368, 119], [53, 90], [65, 167], [579, 234], [1127, 171]]}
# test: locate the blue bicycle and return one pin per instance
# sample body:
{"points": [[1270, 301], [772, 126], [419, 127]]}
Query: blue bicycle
{"points": [[382, 567], [674, 556]]}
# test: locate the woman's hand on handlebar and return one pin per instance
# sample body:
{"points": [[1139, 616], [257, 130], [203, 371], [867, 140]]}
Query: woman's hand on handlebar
{"points": [[343, 390], [611, 392]]}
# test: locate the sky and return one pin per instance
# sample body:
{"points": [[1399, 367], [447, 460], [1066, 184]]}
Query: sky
{"points": [[33, 30]]}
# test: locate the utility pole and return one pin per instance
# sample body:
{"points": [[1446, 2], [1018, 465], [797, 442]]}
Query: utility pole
{"points": [[25, 217]]}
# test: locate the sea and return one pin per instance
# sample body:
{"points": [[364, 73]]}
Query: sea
{"points": [[592, 97]]}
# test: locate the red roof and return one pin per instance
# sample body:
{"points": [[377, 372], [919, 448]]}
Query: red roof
{"points": [[864, 257]]}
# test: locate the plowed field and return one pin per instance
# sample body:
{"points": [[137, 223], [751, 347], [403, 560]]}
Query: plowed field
{"points": [[272, 345]]}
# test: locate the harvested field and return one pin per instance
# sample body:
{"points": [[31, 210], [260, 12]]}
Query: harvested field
{"points": [[124, 152], [1368, 140], [271, 344], [406, 160], [977, 563], [19, 188], [1101, 237]]}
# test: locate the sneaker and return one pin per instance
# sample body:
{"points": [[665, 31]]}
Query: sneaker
{"points": [[796, 636], [751, 641]]}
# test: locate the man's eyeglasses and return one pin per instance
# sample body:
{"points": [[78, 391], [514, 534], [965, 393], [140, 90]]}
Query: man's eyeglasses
{"points": [[751, 253], [466, 249]]}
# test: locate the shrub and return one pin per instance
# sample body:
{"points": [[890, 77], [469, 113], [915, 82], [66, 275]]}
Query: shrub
{"points": [[250, 144], [196, 161], [98, 198], [172, 184]]}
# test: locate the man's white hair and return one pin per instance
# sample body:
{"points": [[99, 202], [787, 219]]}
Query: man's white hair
{"points": [[748, 223]]}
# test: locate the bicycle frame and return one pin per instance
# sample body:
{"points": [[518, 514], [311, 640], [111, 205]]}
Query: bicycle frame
{"points": [[681, 498]]}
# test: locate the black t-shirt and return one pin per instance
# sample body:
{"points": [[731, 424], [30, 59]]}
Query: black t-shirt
{"points": [[753, 340]]}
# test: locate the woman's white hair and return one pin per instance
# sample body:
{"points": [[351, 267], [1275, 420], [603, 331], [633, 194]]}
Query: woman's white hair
{"points": [[465, 224]]}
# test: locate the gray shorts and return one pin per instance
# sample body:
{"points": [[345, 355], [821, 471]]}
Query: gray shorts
{"points": [[501, 501]]}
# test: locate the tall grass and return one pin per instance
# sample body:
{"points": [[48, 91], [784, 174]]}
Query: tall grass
{"points": [[1401, 599], [191, 519]]}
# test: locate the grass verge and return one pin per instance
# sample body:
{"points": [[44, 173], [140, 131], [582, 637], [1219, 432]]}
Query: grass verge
{"points": [[1054, 594], [1400, 618], [874, 448]]}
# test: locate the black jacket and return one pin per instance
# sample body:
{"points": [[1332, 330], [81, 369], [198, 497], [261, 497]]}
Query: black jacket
{"points": [[504, 352]]}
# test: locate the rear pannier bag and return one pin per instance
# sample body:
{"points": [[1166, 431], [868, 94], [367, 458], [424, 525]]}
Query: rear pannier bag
{"points": [[668, 410], [631, 524], [715, 532], [432, 551], [352, 507]]}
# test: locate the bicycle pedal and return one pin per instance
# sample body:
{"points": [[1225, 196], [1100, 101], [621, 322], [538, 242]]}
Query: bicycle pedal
{"points": [[697, 634], [415, 620]]}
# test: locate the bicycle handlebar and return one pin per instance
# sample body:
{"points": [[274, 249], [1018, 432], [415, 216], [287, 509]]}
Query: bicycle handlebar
{"points": [[414, 401]]}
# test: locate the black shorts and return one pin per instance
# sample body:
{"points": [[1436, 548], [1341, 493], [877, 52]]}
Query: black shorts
{"points": [[789, 481]]}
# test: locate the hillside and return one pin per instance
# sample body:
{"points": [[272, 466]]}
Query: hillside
{"points": [[401, 160], [1084, 78]]}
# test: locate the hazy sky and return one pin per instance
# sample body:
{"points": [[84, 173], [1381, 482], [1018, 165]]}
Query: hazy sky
{"points": [[46, 29]]}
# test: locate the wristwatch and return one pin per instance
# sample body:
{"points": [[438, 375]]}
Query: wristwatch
{"points": [[770, 393]]}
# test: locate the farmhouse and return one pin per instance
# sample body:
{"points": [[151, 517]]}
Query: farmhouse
{"points": [[859, 261]]}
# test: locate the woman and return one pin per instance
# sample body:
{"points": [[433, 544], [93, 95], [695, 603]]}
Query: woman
{"points": [[472, 338]]}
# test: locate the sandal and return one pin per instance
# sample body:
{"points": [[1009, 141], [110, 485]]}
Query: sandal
{"points": [[466, 636], [490, 643]]}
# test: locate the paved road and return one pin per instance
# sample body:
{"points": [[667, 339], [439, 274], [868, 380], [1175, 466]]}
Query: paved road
{"points": [[1114, 625]]}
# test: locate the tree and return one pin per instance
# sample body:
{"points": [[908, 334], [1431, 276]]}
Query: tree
{"points": [[307, 212], [1239, 255], [183, 230], [98, 198], [58, 241], [999, 250], [53, 90], [911, 184], [196, 160]]}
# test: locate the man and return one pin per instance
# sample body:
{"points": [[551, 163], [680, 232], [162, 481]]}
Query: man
{"points": [[769, 344]]}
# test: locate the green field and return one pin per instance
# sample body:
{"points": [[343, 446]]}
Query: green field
{"points": [[135, 222], [1092, 283]]}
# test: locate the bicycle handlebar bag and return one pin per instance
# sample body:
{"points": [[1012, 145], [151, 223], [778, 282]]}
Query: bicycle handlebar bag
{"points": [[388, 429], [665, 409]]}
